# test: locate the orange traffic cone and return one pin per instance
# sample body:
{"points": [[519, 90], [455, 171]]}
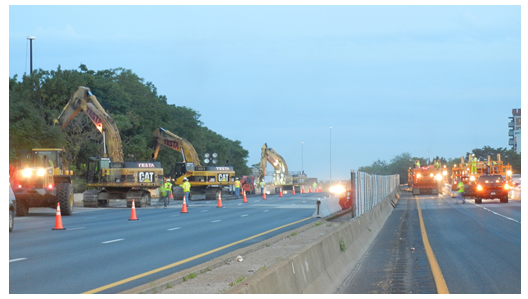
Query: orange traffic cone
{"points": [[133, 216], [310, 190], [293, 190], [184, 207], [280, 191], [245, 199], [264, 195], [219, 200], [58, 219], [302, 189]]}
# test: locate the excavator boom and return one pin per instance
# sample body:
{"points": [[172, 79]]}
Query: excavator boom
{"points": [[167, 138], [84, 100], [278, 163]]}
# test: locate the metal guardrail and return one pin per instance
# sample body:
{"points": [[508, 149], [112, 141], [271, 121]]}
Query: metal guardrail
{"points": [[370, 190]]}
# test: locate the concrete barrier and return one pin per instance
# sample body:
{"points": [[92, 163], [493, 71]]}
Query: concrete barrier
{"points": [[319, 268], [327, 206]]}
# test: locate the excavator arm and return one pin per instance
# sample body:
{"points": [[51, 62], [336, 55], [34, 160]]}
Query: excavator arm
{"points": [[276, 160], [84, 100], [168, 139]]}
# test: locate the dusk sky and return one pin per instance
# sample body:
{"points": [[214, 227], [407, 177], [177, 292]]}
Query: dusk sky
{"points": [[354, 83]]}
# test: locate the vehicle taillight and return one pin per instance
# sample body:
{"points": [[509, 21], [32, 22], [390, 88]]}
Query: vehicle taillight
{"points": [[506, 186], [479, 187], [50, 186]]}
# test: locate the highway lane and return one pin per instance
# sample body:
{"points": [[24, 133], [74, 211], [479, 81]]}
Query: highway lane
{"points": [[477, 247], [101, 246]]}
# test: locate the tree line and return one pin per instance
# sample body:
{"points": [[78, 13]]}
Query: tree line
{"points": [[400, 164], [37, 100]]}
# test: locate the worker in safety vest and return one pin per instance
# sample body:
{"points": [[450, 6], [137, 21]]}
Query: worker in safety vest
{"points": [[262, 185], [186, 190], [437, 165], [237, 187], [417, 163], [315, 186], [168, 189], [474, 165], [163, 195], [460, 191]]}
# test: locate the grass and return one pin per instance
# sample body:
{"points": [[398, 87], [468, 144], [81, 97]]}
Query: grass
{"points": [[205, 270], [342, 245], [237, 281], [190, 276]]}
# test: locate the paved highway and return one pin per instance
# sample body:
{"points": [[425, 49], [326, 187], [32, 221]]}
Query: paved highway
{"points": [[477, 249], [101, 251]]}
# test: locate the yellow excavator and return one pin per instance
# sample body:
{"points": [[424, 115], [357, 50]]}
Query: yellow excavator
{"points": [[110, 176], [208, 180], [282, 178]]}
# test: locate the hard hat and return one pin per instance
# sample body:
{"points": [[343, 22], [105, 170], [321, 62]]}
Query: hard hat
{"points": [[185, 179]]}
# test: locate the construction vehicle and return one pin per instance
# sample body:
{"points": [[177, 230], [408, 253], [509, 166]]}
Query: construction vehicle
{"points": [[209, 180], [282, 178], [469, 172], [248, 184], [110, 176], [425, 180], [43, 180]]}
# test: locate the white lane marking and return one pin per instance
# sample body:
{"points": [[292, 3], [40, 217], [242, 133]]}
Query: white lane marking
{"points": [[265, 211], [174, 228], [203, 211], [216, 220], [245, 215], [76, 228], [17, 260], [503, 216], [112, 241]]}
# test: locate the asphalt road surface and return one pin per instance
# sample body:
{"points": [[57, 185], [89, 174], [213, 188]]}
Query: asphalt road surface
{"points": [[477, 249], [101, 251]]}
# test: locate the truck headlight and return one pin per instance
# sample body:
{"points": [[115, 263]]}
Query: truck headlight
{"points": [[41, 172], [26, 173]]}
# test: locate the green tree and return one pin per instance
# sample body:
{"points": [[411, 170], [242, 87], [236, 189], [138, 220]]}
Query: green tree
{"points": [[134, 105]]}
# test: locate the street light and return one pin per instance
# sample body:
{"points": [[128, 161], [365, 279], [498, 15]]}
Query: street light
{"points": [[330, 154], [31, 38], [302, 157]]}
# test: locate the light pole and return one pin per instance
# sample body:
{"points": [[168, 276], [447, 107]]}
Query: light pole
{"points": [[302, 157], [31, 38], [330, 154]]}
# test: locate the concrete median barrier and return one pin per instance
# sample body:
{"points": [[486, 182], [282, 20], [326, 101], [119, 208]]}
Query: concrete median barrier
{"points": [[318, 268]]}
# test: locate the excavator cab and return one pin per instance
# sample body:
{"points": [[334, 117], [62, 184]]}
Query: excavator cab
{"points": [[181, 168], [94, 173]]}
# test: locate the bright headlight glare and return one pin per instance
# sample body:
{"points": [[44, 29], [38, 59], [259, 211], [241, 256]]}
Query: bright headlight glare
{"points": [[26, 173], [472, 178], [439, 177], [41, 172], [338, 189]]}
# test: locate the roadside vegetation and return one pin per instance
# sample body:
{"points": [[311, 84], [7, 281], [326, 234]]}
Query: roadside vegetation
{"points": [[136, 107]]}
